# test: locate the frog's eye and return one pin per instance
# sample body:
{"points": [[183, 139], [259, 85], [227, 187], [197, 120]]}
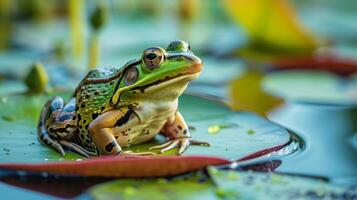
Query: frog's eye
{"points": [[130, 76], [153, 57]]}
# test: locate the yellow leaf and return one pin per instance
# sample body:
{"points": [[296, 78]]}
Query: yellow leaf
{"points": [[246, 93], [271, 24]]}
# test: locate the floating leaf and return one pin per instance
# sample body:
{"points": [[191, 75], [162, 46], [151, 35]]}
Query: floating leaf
{"points": [[272, 25], [246, 93], [221, 184], [193, 187], [301, 85], [216, 128], [255, 185]]}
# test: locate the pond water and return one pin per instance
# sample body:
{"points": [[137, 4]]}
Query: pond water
{"points": [[328, 132]]}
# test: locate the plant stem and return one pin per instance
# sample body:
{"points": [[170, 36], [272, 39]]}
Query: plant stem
{"points": [[76, 24], [93, 50]]}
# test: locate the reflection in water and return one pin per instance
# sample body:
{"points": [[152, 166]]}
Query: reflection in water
{"points": [[59, 186], [327, 131]]}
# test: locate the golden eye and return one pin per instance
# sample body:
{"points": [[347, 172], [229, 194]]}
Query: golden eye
{"points": [[153, 57], [131, 75]]}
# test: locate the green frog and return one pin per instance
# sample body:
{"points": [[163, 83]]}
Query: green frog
{"points": [[114, 108]]}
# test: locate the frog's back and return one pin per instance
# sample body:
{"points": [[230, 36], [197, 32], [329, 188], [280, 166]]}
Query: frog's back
{"points": [[92, 95]]}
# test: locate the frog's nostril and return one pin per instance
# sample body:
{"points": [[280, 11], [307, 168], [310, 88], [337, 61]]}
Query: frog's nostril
{"points": [[151, 56]]}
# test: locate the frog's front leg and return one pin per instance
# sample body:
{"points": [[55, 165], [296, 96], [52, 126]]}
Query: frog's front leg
{"points": [[101, 131], [178, 133]]}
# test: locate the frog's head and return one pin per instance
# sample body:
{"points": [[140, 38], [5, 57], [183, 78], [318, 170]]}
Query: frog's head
{"points": [[159, 74]]}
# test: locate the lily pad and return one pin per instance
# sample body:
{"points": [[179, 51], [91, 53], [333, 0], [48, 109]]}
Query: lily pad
{"points": [[222, 184], [19, 115], [312, 87], [257, 185], [11, 87]]}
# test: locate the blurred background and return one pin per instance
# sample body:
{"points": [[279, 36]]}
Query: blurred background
{"points": [[293, 62]]}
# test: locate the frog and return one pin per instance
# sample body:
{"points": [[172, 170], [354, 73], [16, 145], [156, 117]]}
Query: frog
{"points": [[114, 108]]}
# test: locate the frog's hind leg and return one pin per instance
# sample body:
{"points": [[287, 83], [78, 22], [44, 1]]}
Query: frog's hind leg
{"points": [[58, 123], [43, 135]]}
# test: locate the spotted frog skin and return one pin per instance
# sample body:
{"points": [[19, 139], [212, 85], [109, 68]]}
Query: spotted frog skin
{"points": [[115, 108]]}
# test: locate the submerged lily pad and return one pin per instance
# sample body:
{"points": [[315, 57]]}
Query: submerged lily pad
{"points": [[18, 137], [312, 86], [257, 185], [222, 184]]}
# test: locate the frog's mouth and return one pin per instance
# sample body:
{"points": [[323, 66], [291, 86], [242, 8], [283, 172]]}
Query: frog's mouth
{"points": [[192, 73]]}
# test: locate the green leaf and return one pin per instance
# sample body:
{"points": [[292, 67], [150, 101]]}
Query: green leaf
{"points": [[232, 142], [312, 86], [272, 27], [221, 184], [193, 187], [257, 185], [246, 93]]}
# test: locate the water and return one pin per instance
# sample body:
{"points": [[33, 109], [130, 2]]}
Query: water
{"points": [[328, 132]]}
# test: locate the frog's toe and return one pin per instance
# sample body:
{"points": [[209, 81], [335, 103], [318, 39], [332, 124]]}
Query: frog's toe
{"points": [[168, 145], [60, 150], [131, 153], [181, 143], [53, 143], [74, 147], [160, 146], [173, 144], [184, 144]]}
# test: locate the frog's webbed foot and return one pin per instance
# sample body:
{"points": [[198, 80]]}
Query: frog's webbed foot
{"points": [[53, 143], [181, 143], [76, 148], [131, 153]]}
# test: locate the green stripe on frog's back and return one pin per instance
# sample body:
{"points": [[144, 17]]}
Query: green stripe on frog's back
{"points": [[93, 97]]}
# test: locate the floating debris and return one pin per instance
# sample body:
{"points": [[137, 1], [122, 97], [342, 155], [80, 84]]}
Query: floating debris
{"points": [[250, 132], [9, 118], [6, 149], [226, 193], [214, 129], [32, 143]]}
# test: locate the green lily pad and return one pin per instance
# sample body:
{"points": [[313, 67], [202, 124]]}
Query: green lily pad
{"points": [[193, 187], [239, 134], [223, 185], [312, 86], [11, 87], [258, 185]]}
